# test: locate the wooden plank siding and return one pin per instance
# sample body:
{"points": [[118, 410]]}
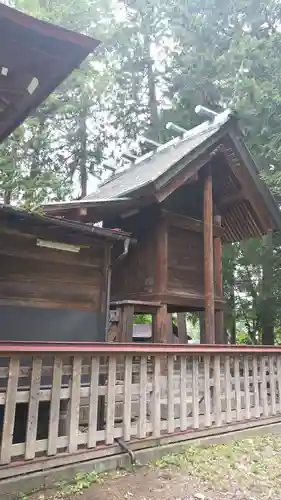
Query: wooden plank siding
{"points": [[44, 277], [166, 265], [136, 273], [185, 262]]}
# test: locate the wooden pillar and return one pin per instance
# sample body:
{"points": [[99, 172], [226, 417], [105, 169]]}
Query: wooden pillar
{"points": [[162, 325], [153, 327], [219, 325], [182, 328], [201, 316], [161, 282], [209, 260], [170, 334], [267, 316], [127, 323], [106, 289]]}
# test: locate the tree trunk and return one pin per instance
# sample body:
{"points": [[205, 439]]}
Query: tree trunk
{"points": [[37, 144], [232, 306], [82, 133], [7, 197], [267, 310], [233, 330], [152, 99]]}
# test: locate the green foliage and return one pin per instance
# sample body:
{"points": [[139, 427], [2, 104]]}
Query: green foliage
{"points": [[158, 61], [80, 483], [244, 338], [61, 146], [143, 319]]}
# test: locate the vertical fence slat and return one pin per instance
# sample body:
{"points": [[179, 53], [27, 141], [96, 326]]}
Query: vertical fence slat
{"points": [[183, 406], [207, 398], [33, 407], [217, 390], [110, 409], [272, 378], [127, 398], [279, 381], [55, 406], [10, 411], [93, 401], [228, 389], [156, 410], [142, 399], [237, 386], [263, 376], [195, 393], [74, 406], [241, 391], [256, 387], [171, 417], [247, 388]]}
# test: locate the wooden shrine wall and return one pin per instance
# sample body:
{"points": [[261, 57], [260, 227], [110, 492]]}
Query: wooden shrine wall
{"points": [[185, 261], [48, 294], [136, 273]]}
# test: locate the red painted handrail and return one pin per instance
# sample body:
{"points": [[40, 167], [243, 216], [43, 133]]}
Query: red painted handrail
{"points": [[130, 348]]}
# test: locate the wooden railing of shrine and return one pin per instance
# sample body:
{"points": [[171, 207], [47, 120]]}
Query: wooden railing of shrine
{"points": [[66, 403]]}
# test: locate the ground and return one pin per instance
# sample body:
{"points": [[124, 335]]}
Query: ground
{"points": [[247, 469]]}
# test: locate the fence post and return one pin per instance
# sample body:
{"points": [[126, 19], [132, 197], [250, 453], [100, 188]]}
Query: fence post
{"points": [[217, 390], [93, 401], [247, 388], [183, 406], [127, 398], [195, 393], [55, 406], [170, 376], [207, 391], [74, 404], [10, 411], [156, 409], [142, 397]]}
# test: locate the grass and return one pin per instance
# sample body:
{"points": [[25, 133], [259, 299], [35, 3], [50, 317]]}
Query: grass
{"points": [[66, 489], [81, 482], [249, 465], [250, 468]]}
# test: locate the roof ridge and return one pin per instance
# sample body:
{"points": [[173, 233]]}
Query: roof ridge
{"points": [[207, 127]]}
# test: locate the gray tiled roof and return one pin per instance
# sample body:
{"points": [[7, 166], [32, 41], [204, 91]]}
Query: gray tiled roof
{"points": [[150, 167]]}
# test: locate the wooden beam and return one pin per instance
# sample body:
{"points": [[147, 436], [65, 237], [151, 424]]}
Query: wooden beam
{"points": [[219, 325], [231, 199], [188, 223], [209, 260], [245, 179], [187, 172], [82, 211], [192, 179], [182, 302]]}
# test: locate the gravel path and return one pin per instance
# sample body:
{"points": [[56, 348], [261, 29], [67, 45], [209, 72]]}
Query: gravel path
{"points": [[246, 470]]}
